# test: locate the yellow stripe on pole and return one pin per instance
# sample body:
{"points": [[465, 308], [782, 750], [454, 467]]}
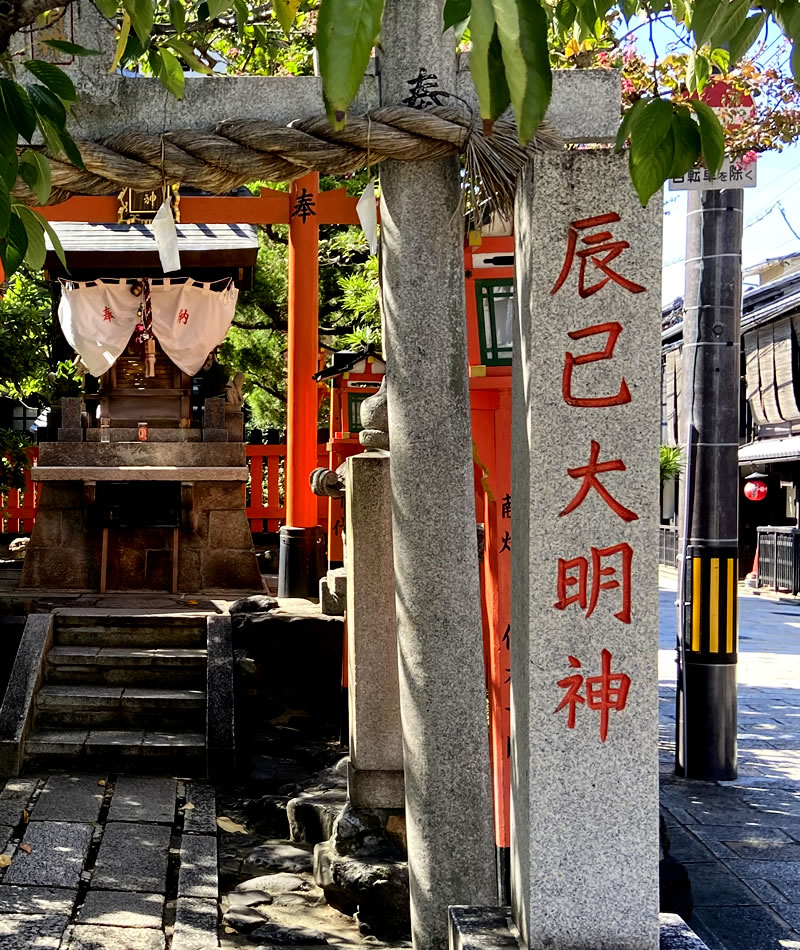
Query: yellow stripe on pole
{"points": [[713, 608], [731, 604], [696, 603]]}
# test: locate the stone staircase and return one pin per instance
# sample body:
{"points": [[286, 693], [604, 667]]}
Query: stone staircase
{"points": [[122, 693]]}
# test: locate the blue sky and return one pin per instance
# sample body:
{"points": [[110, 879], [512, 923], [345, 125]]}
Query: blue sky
{"points": [[766, 233]]}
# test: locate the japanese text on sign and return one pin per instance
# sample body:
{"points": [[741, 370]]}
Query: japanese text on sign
{"points": [[580, 580]]}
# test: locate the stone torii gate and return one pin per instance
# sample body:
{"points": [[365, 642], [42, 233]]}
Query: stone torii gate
{"points": [[442, 687]]}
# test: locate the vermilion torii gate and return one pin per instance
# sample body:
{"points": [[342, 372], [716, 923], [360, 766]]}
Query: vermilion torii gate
{"points": [[303, 208]]}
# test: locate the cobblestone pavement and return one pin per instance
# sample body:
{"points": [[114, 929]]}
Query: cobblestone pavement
{"points": [[740, 841], [96, 862]]}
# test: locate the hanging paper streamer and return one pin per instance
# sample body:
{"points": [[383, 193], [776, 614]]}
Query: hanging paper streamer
{"points": [[367, 210], [166, 236], [189, 319], [98, 321]]}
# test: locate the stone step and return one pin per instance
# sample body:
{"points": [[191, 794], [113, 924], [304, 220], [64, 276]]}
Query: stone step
{"points": [[70, 706], [149, 632], [138, 751], [174, 667]]}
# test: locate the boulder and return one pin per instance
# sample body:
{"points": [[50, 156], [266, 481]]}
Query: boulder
{"points": [[312, 816], [256, 604], [377, 891]]}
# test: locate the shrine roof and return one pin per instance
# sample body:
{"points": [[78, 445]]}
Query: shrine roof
{"points": [[132, 238]]}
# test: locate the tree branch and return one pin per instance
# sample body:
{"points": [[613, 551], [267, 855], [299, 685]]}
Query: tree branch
{"points": [[23, 13]]}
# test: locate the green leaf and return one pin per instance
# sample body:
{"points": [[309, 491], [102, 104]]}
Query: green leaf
{"points": [[5, 209], [787, 14], [686, 141], [285, 12], [455, 12], [215, 7], [171, 74], [70, 148], [177, 15], [74, 49], [107, 7], [678, 10], [721, 58], [50, 136], [795, 61], [711, 136], [650, 126], [716, 21], [346, 33], [13, 246], [122, 42], [18, 107], [55, 240], [629, 9], [189, 56], [747, 34], [141, 14], [651, 169], [36, 250], [39, 182], [625, 125], [47, 105], [56, 80], [698, 70], [8, 154], [522, 28], [483, 32]]}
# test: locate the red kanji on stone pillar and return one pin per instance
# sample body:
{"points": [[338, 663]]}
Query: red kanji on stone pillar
{"points": [[602, 693], [601, 249], [579, 580], [589, 475], [613, 330]]}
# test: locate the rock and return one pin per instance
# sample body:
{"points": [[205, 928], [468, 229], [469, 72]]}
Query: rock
{"points": [[376, 890], [294, 900], [312, 816], [396, 830], [267, 815], [275, 772], [18, 547], [278, 857], [256, 604], [273, 883], [364, 830], [244, 919], [274, 934], [248, 899]]}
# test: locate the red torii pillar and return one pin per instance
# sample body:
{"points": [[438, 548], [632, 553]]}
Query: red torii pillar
{"points": [[302, 540]]}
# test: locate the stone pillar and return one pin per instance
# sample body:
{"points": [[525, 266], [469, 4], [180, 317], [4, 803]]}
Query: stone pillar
{"points": [[375, 776], [442, 685], [584, 627], [71, 429]]}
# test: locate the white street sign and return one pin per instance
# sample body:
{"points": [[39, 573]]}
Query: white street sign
{"points": [[729, 176]]}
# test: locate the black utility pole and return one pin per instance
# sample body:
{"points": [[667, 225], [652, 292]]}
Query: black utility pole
{"points": [[709, 421]]}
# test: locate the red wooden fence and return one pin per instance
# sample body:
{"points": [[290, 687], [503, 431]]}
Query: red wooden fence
{"points": [[265, 493], [18, 507]]}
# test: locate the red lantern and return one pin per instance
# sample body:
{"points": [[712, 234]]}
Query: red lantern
{"points": [[755, 490]]}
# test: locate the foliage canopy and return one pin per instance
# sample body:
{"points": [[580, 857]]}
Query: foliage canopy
{"points": [[513, 44]]}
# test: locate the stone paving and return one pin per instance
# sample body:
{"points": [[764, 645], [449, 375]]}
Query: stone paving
{"points": [[99, 862], [740, 841]]}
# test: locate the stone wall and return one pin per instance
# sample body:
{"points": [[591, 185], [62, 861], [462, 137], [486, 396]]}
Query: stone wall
{"points": [[215, 546]]}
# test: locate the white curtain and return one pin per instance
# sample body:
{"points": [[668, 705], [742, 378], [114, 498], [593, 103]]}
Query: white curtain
{"points": [[189, 319]]}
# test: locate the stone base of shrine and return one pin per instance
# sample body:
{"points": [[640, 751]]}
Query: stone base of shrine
{"points": [[491, 928], [210, 547]]}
